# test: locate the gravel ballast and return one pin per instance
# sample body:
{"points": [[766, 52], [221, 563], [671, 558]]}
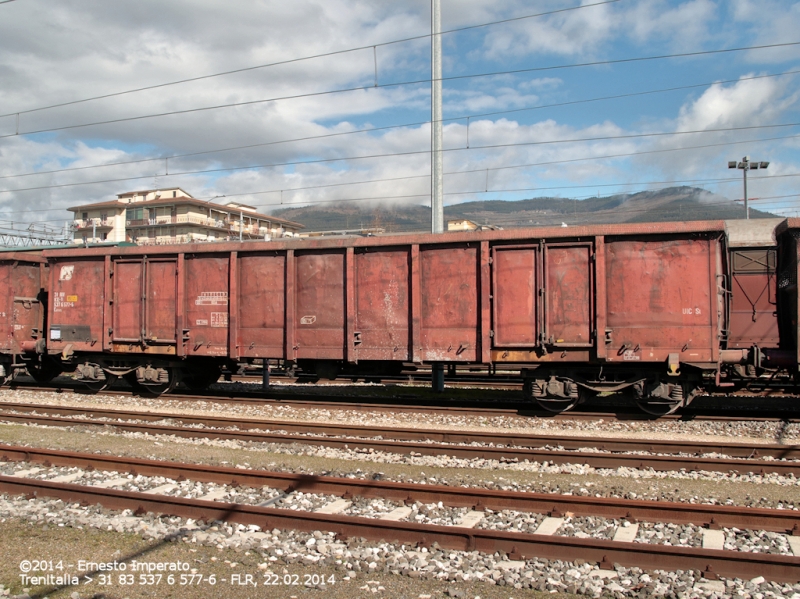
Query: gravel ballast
{"points": [[363, 569], [353, 562]]}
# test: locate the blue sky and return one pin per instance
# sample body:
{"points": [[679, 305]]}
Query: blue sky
{"points": [[545, 138]]}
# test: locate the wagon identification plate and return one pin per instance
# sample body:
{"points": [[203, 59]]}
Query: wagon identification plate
{"points": [[212, 298], [61, 300]]}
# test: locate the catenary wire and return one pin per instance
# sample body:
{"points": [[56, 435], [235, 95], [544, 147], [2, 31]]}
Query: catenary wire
{"points": [[565, 214], [300, 59], [388, 127], [476, 170], [409, 153], [718, 180], [384, 85], [507, 167]]}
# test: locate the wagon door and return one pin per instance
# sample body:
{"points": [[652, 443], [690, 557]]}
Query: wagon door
{"points": [[515, 292], [144, 307], [262, 293], [128, 306], [161, 292], [382, 307], [320, 305], [449, 308], [568, 303]]}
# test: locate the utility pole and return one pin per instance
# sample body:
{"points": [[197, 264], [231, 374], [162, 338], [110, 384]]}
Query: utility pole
{"points": [[747, 165], [437, 202]]}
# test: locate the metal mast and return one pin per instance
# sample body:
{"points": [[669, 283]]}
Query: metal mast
{"points": [[437, 203], [747, 165]]}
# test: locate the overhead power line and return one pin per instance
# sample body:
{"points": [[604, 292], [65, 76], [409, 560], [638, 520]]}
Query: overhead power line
{"points": [[385, 85], [303, 58], [474, 170], [717, 180], [627, 210], [508, 167], [409, 153], [400, 126]]}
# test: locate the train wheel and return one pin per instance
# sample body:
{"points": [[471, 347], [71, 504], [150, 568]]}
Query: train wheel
{"points": [[97, 386], [200, 380], [155, 382], [661, 401], [555, 395]]}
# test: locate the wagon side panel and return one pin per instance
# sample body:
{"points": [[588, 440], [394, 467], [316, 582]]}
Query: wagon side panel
{"points": [[515, 293], [382, 305], [319, 315], [77, 299], [449, 303], [21, 316], [206, 281], [660, 299], [568, 309], [128, 304], [261, 305]]}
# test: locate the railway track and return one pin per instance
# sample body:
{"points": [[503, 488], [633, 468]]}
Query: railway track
{"points": [[416, 405], [713, 562], [607, 452]]}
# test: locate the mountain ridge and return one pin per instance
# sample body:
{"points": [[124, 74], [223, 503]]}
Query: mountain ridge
{"points": [[682, 203]]}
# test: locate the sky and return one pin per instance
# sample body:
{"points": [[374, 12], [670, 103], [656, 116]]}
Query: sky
{"points": [[273, 103]]}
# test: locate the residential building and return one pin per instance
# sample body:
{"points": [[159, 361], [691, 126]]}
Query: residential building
{"points": [[468, 225], [167, 216]]}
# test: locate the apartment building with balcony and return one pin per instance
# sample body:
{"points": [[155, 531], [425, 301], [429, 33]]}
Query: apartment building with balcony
{"points": [[167, 216]]}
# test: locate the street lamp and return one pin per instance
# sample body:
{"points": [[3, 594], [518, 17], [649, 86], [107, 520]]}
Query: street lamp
{"points": [[747, 165]]}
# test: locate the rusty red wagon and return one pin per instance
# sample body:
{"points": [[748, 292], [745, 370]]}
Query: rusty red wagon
{"points": [[657, 310]]}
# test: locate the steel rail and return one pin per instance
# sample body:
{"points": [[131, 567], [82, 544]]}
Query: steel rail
{"points": [[595, 460], [517, 545], [372, 404], [475, 498], [518, 440]]}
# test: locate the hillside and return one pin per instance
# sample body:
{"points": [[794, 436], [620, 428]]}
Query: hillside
{"points": [[674, 203]]}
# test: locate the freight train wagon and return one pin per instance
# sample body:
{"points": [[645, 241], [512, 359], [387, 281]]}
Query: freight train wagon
{"points": [[658, 311]]}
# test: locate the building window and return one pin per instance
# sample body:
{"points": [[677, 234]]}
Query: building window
{"points": [[134, 214], [85, 216], [105, 236], [174, 194]]}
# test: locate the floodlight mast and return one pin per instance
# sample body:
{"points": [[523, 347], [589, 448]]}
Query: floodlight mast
{"points": [[747, 165]]}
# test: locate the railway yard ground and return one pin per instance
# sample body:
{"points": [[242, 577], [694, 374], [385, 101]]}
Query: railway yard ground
{"points": [[325, 514]]}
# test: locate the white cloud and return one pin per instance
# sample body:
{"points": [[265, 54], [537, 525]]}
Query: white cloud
{"points": [[51, 53], [745, 103], [684, 26], [569, 33]]}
